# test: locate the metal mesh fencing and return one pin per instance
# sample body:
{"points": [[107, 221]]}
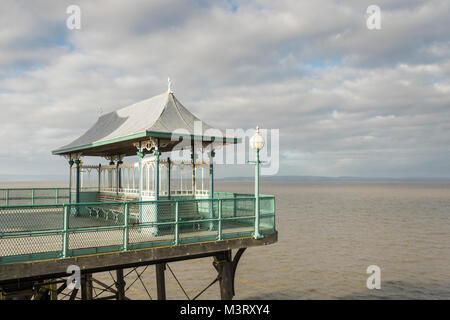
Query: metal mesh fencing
{"points": [[14, 219], [85, 228], [43, 243], [30, 229], [95, 238], [24, 196]]}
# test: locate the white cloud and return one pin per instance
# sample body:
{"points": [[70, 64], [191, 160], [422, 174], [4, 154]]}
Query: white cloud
{"points": [[344, 97]]}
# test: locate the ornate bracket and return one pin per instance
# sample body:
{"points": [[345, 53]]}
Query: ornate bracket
{"points": [[114, 158], [149, 144], [73, 156]]}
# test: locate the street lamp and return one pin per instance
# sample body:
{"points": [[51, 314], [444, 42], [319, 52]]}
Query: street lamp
{"points": [[257, 143]]}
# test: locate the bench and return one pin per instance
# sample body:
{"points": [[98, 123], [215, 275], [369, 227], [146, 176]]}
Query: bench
{"points": [[113, 209], [188, 210]]}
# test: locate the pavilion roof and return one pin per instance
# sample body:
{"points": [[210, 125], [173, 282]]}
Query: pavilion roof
{"points": [[159, 117]]}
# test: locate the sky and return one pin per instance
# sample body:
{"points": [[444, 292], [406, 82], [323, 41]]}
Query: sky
{"points": [[347, 100]]}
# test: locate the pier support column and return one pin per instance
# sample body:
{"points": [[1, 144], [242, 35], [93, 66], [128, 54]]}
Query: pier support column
{"points": [[120, 285], [160, 281], [224, 266], [77, 188], [71, 162], [86, 287]]}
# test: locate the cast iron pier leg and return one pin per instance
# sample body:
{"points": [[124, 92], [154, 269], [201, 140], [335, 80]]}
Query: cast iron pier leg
{"points": [[86, 287], [224, 267], [160, 281], [120, 285]]}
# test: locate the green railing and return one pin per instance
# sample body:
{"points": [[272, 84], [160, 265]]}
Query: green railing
{"points": [[34, 232], [18, 196]]}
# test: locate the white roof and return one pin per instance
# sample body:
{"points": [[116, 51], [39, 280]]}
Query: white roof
{"points": [[160, 114]]}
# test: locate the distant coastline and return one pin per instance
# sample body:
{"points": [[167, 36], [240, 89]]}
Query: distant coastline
{"points": [[337, 179], [61, 178]]}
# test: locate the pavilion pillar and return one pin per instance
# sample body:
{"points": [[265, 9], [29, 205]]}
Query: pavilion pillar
{"points": [[211, 188], [77, 190], [111, 173], [71, 162], [119, 174], [193, 167], [156, 153], [140, 155], [168, 177], [99, 176]]}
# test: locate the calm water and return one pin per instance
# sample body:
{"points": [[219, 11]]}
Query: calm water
{"points": [[329, 233]]}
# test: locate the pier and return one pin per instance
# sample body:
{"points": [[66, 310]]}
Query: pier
{"points": [[120, 215]]}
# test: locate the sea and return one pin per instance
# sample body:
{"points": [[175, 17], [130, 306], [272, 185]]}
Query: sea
{"points": [[329, 234]]}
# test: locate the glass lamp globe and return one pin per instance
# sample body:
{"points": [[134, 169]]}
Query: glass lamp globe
{"points": [[257, 141]]}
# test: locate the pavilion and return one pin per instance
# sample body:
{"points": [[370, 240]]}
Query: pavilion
{"points": [[120, 215], [149, 127]]}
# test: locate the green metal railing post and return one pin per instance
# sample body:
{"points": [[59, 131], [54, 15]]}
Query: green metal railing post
{"points": [[71, 162], [177, 226], [219, 229], [140, 155], [157, 153], [7, 197], [57, 195], [273, 212], [65, 237], [32, 196], [234, 205], [126, 215]]}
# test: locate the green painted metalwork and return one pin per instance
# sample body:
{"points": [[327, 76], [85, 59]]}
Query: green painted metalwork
{"points": [[40, 231], [71, 162], [125, 227], [168, 177], [211, 185], [177, 224], [147, 134], [65, 239], [219, 228], [13, 196], [102, 143], [77, 190]]}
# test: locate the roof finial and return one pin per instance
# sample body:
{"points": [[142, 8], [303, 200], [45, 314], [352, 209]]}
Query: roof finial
{"points": [[99, 111], [169, 87]]}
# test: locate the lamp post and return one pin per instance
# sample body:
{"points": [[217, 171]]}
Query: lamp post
{"points": [[257, 143]]}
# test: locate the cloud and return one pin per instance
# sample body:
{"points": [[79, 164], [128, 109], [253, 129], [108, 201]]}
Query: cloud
{"points": [[347, 100]]}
